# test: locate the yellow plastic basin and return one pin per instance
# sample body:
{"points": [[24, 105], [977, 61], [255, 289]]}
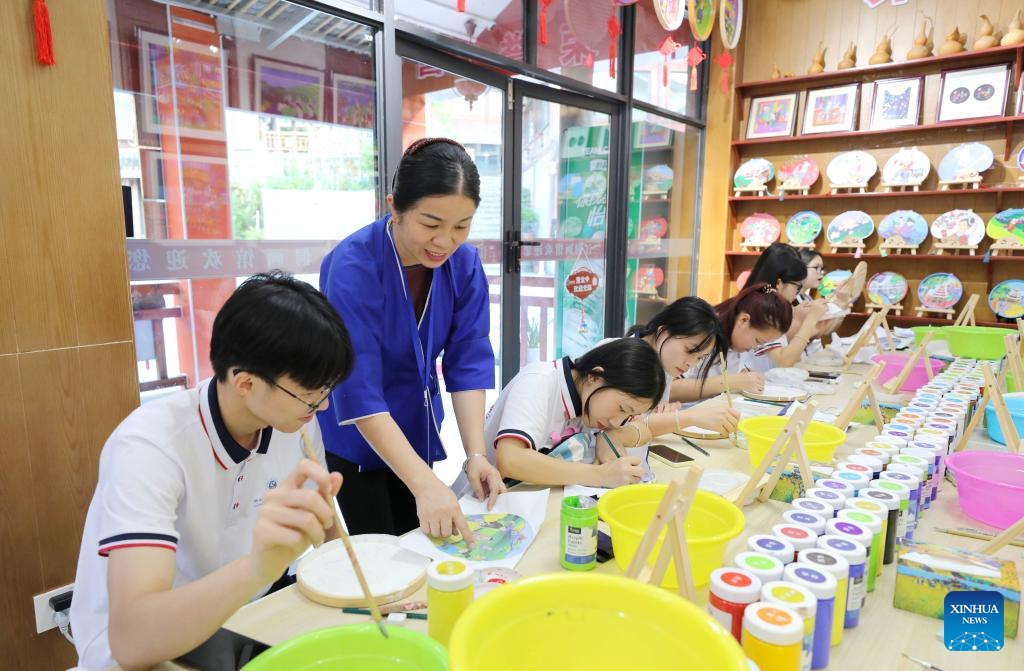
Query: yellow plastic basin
{"points": [[821, 440], [589, 621]]}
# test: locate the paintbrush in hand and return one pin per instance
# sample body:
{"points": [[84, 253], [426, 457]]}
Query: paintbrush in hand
{"points": [[728, 394]]}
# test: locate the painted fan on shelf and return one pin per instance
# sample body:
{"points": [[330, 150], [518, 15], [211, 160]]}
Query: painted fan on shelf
{"points": [[1007, 299], [803, 228]]}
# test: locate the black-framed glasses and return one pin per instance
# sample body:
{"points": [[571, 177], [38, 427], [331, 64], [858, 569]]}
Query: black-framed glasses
{"points": [[313, 407], [820, 269]]}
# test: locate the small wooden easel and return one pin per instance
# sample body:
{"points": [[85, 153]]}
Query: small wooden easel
{"points": [[971, 180], [848, 188], [883, 311], [1004, 537], [1013, 360], [752, 189], [941, 245], [1009, 244], [993, 393], [752, 246], [851, 245], [670, 516], [790, 441], [966, 316], [863, 388], [897, 244], [792, 186], [893, 385], [890, 187], [866, 334]]}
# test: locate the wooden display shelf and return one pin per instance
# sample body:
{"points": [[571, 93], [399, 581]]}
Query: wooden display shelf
{"points": [[898, 257], [1008, 121], [869, 72], [985, 189]]}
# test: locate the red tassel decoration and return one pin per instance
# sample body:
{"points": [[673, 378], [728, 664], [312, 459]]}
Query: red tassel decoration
{"points": [[460, 5], [614, 30], [693, 59], [44, 36], [725, 62], [590, 59], [544, 4], [667, 49]]}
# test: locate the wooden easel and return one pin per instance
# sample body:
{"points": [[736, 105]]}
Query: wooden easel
{"points": [[966, 316], [790, 441], [792, 186], [993, 394], [848, 188], [752, 189], [863, 388], [966, 182], [890, 187], [893, 385], [883, 312], [954, 248], [863, 337], [670, 516], [1004, 537], [1008, 244], [899, 245], [752, 246], [1013, 360], [852, 245]]}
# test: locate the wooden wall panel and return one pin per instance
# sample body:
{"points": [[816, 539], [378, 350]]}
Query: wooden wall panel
{"points": [[8, 333]]}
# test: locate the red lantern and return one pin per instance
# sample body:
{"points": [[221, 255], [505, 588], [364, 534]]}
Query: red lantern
{"points": [[582, 282]]}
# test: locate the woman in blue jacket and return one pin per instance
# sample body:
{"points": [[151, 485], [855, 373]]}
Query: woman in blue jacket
{"points": [[410, 288]]}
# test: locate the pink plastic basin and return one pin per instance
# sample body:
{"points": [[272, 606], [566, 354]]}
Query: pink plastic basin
{"points": [[894, 364], [990, 485]]}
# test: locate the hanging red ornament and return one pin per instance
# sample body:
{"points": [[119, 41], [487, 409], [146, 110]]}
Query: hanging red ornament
{"points": [[544, 4], [590, 59], [460, 5], [667, 50], [614, 30], [44, 35], [582, 282], [725, 62], [694, 58]]}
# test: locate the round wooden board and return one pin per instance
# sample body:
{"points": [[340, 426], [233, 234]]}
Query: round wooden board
{"points": [[797, 395], [325, 575], [701, 435]]}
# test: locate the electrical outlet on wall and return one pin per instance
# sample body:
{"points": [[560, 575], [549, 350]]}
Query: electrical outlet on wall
{"points": [[44, 612]]}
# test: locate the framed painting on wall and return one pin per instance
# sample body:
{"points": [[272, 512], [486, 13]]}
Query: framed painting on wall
{"points": [[896, 103], [354, 99], [831, 110], [973, 93], [193, 104], [288, 90], [772, 116]]}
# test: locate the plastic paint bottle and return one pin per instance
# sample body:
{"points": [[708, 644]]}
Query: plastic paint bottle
{"points": [[890, 505], [910, 481], [902, 492], [826, 496], [803, 602], [764, 566], [820, 508], [841, 487], [823, 586], [779, 548], [731, 591], [836, 564], [857, 480], [578, 533], [799, 537], [881, 512], [920, 472], [449, 592], [816, 523], [883, 456], [772, 635], [873, 526], [856, 591], [873, 463]]}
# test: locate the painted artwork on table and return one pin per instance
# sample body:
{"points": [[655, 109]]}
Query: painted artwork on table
{"points": [[289, 90], [886, 288], [940, 291], [831, 281], [831, 110], [1007, 299], [907, 167], [896, 103], [1007, 223], [907, 225], [803, 227], [498, 536], [353, 101], [760, 229], [849, 227], [772, 116], [962, 227], [752, 172]]}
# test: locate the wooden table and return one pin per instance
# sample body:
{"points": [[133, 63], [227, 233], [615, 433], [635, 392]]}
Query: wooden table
{"points": [[884, 632]]}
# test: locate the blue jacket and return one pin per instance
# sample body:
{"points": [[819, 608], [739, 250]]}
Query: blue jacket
{"points": [[395, 367]]}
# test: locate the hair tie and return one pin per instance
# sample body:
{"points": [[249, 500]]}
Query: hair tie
{"points": [[767, 289], [427, 141]]}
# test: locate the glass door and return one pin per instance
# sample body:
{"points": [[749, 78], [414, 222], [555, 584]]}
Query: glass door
{"points": [[557, 260]]}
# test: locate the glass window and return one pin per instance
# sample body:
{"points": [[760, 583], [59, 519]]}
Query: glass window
{"points": [[662, 201], [494, 25], [238, 163], [660, 73], [579, 41]]}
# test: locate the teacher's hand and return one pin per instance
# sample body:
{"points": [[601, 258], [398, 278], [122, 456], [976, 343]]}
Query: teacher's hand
{"points": [[439, 512], [485, 480]]}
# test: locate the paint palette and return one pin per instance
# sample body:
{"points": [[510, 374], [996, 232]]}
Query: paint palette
{"points": [[965, 161], [803, 227], [1007, 299], [831, 282], [1007, 223], [940, 291], [851, 167], [753, 172], [887, 288], [962, 227], [850, 226], [906, 225], [760, 229], [906, 167], [800, 172]]}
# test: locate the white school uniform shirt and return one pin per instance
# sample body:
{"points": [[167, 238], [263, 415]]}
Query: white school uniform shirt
{"points": [[171, 476]]}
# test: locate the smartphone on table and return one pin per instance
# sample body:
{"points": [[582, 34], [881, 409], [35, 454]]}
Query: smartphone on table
{"points": [[671, 457]]}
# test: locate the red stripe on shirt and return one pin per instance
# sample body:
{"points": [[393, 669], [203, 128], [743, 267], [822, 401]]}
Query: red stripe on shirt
{"points": [[203, 422], [514, 437], [103, 552]]}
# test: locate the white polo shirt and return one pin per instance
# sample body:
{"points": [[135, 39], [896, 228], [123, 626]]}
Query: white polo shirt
{"points": [[171, 476]]}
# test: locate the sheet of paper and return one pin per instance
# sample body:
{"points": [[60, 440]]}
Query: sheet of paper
{"points": [[504, 533], [642, 452]]}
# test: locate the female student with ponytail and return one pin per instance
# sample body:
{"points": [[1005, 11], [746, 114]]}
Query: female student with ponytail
{"points": [[409, 287]]}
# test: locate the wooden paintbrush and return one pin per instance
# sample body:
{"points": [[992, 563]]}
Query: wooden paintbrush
{"points": [[371, 602], [728, 395]]}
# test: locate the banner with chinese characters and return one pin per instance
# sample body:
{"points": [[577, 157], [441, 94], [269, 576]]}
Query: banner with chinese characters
{"points": [[151, 260]]}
